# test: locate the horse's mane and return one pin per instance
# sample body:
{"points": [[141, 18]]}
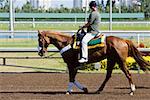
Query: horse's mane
{"points": [[63, 37]]}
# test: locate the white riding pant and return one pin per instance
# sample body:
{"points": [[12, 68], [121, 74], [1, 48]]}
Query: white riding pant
{"points": [[84, 42]]}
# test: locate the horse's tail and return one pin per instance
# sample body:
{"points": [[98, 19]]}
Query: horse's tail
{"points": [[135, 53]]}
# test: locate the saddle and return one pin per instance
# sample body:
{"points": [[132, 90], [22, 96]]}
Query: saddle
{"points": [[97, 41]]}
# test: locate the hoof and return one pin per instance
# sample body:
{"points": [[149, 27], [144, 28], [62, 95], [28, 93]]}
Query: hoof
{"points": [[85, 90], [131, 93], [68, 93], [97, 92]]}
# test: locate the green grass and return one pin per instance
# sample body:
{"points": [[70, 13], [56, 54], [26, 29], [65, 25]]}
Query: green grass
{"points": [[40, 65], [33, 43], [69, 26], [18, 42], [131, 27], [73, 26], [9, 42], [35, 65]]}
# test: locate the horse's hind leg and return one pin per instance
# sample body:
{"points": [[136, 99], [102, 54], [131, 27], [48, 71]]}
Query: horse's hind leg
{"points": [[110, 65], [124, 68]]}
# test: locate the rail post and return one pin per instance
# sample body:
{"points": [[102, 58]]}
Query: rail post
{"points": [[33, 22], [4, 61]]}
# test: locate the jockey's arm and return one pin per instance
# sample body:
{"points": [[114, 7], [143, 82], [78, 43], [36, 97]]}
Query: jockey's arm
{"points": [[86, 25]]}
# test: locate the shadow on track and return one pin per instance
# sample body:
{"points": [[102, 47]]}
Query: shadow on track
{"points": [[137, 87], [60, 92], [46, 92]]}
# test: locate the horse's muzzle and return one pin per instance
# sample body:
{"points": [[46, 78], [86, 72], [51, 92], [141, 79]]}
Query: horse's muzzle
{"points": [[40, 53]]}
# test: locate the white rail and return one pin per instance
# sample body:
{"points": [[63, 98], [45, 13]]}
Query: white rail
{"points": [[71, 22], [135, 34], [73, 31], [50, 49]]}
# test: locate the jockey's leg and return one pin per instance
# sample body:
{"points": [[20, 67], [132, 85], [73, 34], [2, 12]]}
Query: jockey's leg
{"points": [[84, 48], [85, 41]]}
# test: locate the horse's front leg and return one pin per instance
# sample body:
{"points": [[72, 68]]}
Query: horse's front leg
{"points": [[72, 81]]}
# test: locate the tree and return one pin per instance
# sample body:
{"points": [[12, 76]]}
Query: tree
{"points": [[146, 8], [1, 3], [27, 7], [6, 6], [17, 10]]}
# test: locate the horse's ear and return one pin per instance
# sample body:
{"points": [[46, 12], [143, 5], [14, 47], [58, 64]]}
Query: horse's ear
{"points": [[39, 32]]}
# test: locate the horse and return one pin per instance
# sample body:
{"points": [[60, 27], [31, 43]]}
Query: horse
{"points": [[116, 50]]}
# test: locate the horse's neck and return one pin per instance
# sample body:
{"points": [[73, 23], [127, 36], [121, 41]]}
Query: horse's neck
{"points": [[62, 41], [59, 44]]}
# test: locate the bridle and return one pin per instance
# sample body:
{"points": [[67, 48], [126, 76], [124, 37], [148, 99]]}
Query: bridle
{"points": [[45, 39], [42, 46]]}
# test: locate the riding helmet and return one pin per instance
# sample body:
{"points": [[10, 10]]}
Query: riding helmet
{"points": [[92, 4]]}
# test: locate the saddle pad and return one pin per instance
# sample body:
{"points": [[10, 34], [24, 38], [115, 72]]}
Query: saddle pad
{"points": [[96, 42], [91, 47]]}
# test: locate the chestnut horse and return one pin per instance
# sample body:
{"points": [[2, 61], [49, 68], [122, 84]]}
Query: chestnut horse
{"points": [[116, 50]]}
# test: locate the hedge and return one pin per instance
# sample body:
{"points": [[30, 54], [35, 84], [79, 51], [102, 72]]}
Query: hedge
{"points": [[131, 64]]}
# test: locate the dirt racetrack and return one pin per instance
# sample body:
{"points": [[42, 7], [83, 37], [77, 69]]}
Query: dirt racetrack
{"points": [[52, 86]]}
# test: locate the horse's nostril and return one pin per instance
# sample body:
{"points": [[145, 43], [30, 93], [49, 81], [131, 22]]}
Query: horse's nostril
{"points": [[39, 48]]}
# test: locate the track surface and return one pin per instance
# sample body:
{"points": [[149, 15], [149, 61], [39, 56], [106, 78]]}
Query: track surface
{"points": [[52, 86]]}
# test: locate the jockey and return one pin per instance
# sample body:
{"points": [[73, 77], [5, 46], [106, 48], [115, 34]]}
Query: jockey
{"points": [[92, 30]]}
